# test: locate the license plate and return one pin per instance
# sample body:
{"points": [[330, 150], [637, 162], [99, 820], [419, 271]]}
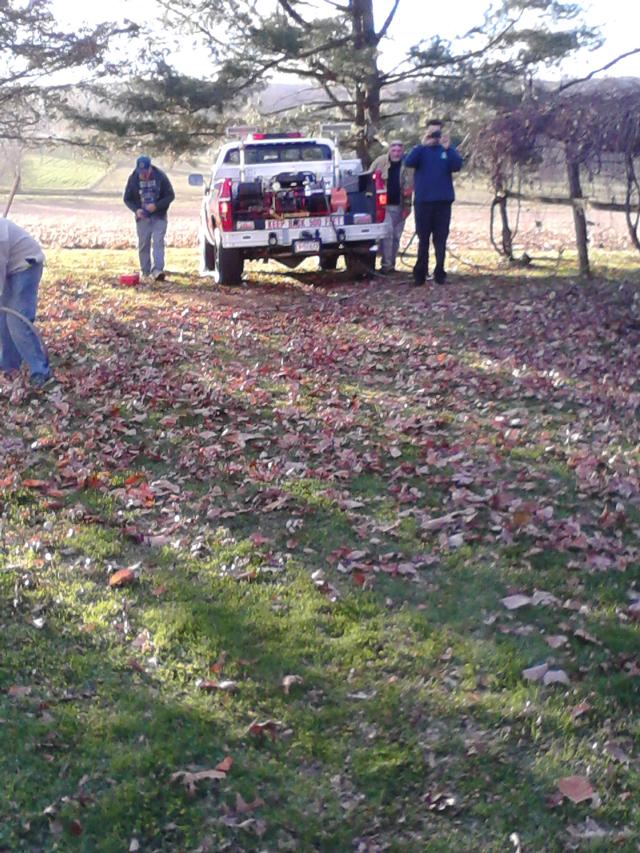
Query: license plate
{"points": [[301, 247]]}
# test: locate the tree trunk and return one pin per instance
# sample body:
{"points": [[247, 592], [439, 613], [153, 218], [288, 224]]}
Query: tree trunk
{"points": [[368, 86], [579, 217]]}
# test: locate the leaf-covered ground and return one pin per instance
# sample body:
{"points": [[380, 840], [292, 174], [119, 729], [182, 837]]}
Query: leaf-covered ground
{"points": [[332, 567]]}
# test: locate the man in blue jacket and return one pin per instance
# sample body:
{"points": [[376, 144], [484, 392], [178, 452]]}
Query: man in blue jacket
{"points": [[148, 194], [434, 162]]}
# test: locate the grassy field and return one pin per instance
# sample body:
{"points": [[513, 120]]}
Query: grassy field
{"points": [[60, 171], [67, 170], [258, 556]]}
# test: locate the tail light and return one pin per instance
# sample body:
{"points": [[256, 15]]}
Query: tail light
{"points": [[381, 196], [225, 207]]}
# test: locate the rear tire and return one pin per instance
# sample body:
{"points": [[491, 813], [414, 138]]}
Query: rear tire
{"points": [[328, 262], [228, 265], [360, 264]]}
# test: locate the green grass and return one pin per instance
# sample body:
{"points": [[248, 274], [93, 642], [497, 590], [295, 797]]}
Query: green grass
{"points": [[409, 725], [60, 171]]}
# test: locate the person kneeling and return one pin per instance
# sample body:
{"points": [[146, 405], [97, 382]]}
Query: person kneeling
{"points": [[21, 266]]}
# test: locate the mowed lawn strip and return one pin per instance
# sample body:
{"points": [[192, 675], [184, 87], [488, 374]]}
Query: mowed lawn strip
{"points": [[322, 568]]}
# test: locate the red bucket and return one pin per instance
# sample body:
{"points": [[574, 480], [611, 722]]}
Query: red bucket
{"points": [[130, 280]]}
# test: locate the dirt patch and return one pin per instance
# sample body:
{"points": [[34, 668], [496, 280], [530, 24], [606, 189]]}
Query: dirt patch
{"points": [[103, 222]]}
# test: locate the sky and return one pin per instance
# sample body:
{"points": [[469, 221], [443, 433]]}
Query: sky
{"points": [[618, 27]]}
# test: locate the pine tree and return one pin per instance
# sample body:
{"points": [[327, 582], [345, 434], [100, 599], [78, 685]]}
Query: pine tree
{"points": [[36, 59], [336, 48]]}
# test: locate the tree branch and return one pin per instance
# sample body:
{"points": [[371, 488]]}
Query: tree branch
{"points": [[383, 31], [596, 71], [288, 8]]}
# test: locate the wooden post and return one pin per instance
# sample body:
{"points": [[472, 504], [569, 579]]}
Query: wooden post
{"points": [[14, 190], [579, 216], [632, 216]]}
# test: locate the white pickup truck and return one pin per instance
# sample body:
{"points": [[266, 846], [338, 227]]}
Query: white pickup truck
{"points": [[285, 198]]}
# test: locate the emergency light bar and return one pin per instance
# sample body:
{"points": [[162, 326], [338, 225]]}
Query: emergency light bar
{"points": [[294, 134]]}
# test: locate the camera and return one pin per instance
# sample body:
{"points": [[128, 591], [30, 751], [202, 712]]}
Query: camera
{"points": [[435, 134]]}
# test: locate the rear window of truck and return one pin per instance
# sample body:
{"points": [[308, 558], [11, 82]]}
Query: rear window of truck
{"points": [[281, 152]]}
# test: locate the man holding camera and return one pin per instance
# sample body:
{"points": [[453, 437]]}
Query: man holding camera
{"points": [[434, 163]]}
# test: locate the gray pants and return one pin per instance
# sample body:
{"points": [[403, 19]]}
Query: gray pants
{"points": [[391, 243], [150, 229]]}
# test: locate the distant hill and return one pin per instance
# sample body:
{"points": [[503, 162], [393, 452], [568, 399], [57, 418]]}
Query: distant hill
{"points": [[282, 96]]}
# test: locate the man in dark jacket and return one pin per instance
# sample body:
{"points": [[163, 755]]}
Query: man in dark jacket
{"points": [[434, 162], [148, 194]]}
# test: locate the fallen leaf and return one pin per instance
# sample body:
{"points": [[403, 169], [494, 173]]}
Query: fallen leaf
{"points": [[225, 765], [589, 831], [190, 780], [209, 685], [289, 680], [556, 640], [556, 676], [242, 807], [218, 666], [535, 673], [520, 518], [56, 827], [614, 751], [513, 602], [579, 710], [540, 596], [576, 788], [75, 828], [123, 577], [634, 611], [434, 524], [34, 484], [18, 691], [259, 539], [586, 637], [269, 727]]}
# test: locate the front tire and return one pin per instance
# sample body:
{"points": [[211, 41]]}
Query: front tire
{"points": [[207, 255], [228, 265]]}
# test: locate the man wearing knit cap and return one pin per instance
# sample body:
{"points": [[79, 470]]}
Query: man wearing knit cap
{"points": [[148, 195], [399, 183]]}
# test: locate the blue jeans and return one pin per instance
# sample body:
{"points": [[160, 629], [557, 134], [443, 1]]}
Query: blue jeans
{"points": [[433, 219], [151, 228], [19, 343]]}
